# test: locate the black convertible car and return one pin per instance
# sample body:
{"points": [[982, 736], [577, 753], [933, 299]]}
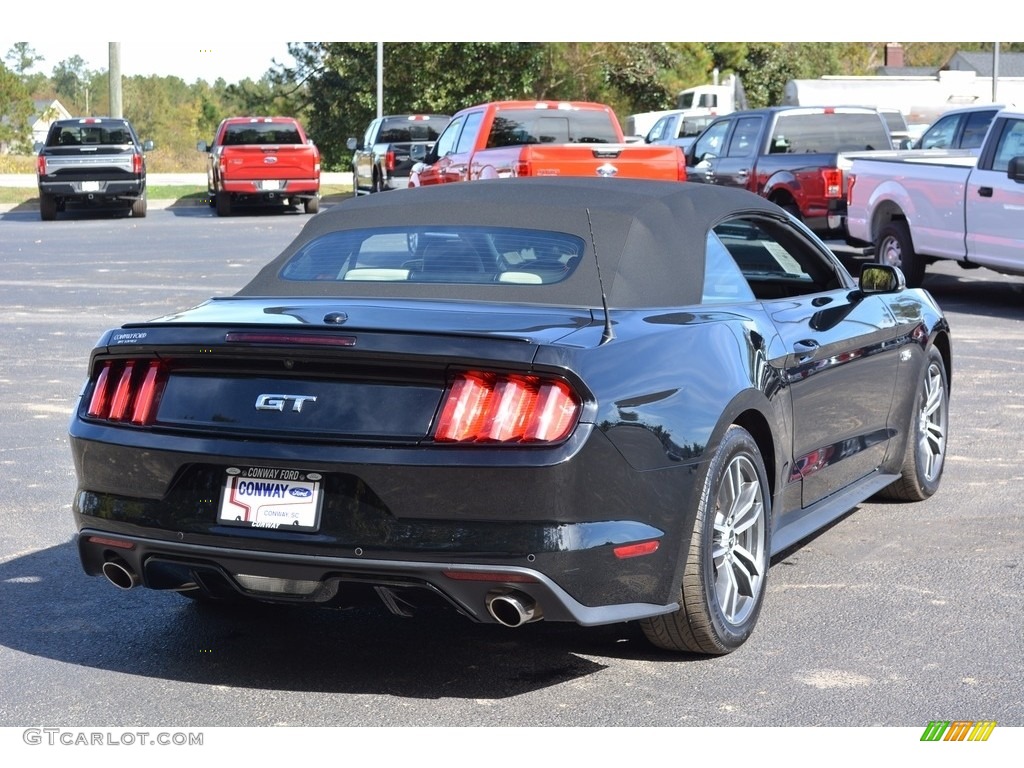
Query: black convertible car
{"points": [[583, 400]]}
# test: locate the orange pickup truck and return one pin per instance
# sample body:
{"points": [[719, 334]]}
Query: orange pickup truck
{"points": [[545, 138]]}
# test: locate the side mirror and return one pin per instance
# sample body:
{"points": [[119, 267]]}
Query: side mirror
{"points": [[1015, 169], [352, 144], [202, 146], [418, 153], [147, 145], [881, 278], [37, 146]]}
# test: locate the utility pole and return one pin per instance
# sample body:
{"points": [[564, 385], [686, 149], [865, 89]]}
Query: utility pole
{"points": [[995, 72], [114, 78], [380, 79]]}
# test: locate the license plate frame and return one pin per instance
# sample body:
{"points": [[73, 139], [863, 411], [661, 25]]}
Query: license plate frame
{"points": [[273, 498], [90, 186], [271, 186]]}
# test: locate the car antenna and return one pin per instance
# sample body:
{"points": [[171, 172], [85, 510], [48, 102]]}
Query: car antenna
{"points": [[608, 334]]}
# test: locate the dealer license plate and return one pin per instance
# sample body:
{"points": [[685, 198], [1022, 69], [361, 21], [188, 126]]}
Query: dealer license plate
{"points": [[90, 186], [269, 497], [270, 186]]}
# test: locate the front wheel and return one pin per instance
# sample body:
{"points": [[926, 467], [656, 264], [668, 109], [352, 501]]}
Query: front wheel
{"points": [[895, 248], [727, 563], [926, 441]]}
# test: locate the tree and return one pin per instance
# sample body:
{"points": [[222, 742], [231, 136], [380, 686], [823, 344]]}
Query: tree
{"points": [[70, 80], [22, 57], [16, 108]]}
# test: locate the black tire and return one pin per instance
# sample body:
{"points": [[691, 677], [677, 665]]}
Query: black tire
{"points": [[223, 204], [47, 207], [895, 248], [311, 204], [928, 427], [139, 208], [727, 564]]}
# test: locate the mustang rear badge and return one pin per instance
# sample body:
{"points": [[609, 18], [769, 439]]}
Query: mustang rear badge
{"points": [[278, 402]]}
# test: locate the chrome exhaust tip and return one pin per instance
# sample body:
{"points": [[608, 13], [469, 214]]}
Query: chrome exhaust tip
{"points": [[120, 575], [512, 609]]}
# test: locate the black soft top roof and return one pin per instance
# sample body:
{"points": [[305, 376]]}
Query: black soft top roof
{"points": [[649, 236]]}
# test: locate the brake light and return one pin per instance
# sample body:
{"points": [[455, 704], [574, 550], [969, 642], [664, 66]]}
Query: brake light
{"points": [[833, 178], [136, 164], [41, 165], [499, 408], [680, 165], [389, 160], [127, 391], [521, 168]]}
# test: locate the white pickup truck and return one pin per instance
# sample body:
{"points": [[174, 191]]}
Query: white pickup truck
{"points": [[918, 206]]}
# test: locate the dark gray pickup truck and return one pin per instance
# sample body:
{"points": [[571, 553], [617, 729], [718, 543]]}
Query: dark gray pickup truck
{"points": [[92, 161], [381, 160]]}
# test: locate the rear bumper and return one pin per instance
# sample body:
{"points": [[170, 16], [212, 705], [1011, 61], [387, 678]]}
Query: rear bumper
{"points": [[271, 188], [326, 580], [98, 191]]}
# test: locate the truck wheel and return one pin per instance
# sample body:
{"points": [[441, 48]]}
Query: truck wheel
{"points": [[139, 208], [311, 204], [223, 202], [47, 207], [895, 248]]}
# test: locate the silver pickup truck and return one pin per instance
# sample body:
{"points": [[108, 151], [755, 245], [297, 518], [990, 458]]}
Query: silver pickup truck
{"points": [[92, 161]]}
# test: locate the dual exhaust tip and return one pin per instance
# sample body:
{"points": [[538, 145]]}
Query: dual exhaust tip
{"points": [[508, 607]]}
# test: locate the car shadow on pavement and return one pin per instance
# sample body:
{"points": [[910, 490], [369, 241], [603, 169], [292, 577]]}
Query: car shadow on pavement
{"points": [[977, 292], [53, 610]]}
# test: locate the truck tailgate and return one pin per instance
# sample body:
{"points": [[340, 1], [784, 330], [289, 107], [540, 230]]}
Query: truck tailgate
{"points": [[259, 161]]}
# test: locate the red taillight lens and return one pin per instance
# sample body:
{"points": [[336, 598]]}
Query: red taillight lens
{"points": [[680, 165], [493, 408], [521, 168], [833, 178], [136, 164], [41, 165], [127, 391], [389, 160]]}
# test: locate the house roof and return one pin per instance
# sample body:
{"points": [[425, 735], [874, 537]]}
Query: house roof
{"points": [[1010, 64]]}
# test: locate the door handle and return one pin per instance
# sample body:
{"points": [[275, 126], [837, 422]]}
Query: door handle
{"points": [[805, 349], [985, 191]]}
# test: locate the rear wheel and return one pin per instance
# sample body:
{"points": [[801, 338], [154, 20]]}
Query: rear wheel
{"points": [[311, 204], [139, 208], [47, 207], [895, 248], [926, 442], [223, 203], [727, 564]]}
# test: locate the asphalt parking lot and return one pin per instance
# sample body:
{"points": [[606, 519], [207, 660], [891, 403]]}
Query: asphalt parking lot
{"points": [[896, 615]]}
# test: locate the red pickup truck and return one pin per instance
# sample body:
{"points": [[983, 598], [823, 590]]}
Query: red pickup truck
{"points": [[545, 138], [262, 161]]}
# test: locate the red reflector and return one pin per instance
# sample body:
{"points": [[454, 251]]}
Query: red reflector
{"points": [[518, 578], [636, 550], [487, 407], [116, 543], [248, 337]]}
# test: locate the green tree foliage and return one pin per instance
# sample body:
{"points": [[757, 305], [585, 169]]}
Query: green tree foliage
{"points": [[15, 109]]}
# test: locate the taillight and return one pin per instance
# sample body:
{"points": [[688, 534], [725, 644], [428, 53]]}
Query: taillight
{"points": [[833, 178], [680, 165], [136, 164], [521, 168], [127, 391], [389, 160], [41, 165], [499, 408]]}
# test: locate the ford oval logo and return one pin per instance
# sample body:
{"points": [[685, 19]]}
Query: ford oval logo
{"points": [[269, 159], [300, 493], [607, 170]]}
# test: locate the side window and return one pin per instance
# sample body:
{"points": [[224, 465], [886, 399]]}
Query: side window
{"points": [[975, 129], [469, 133], [1011, 144], [712, 141], [658, 131], [723, 280], [776, 259], [368, 138], [744, 138], [940, 135], [446, 141]]}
